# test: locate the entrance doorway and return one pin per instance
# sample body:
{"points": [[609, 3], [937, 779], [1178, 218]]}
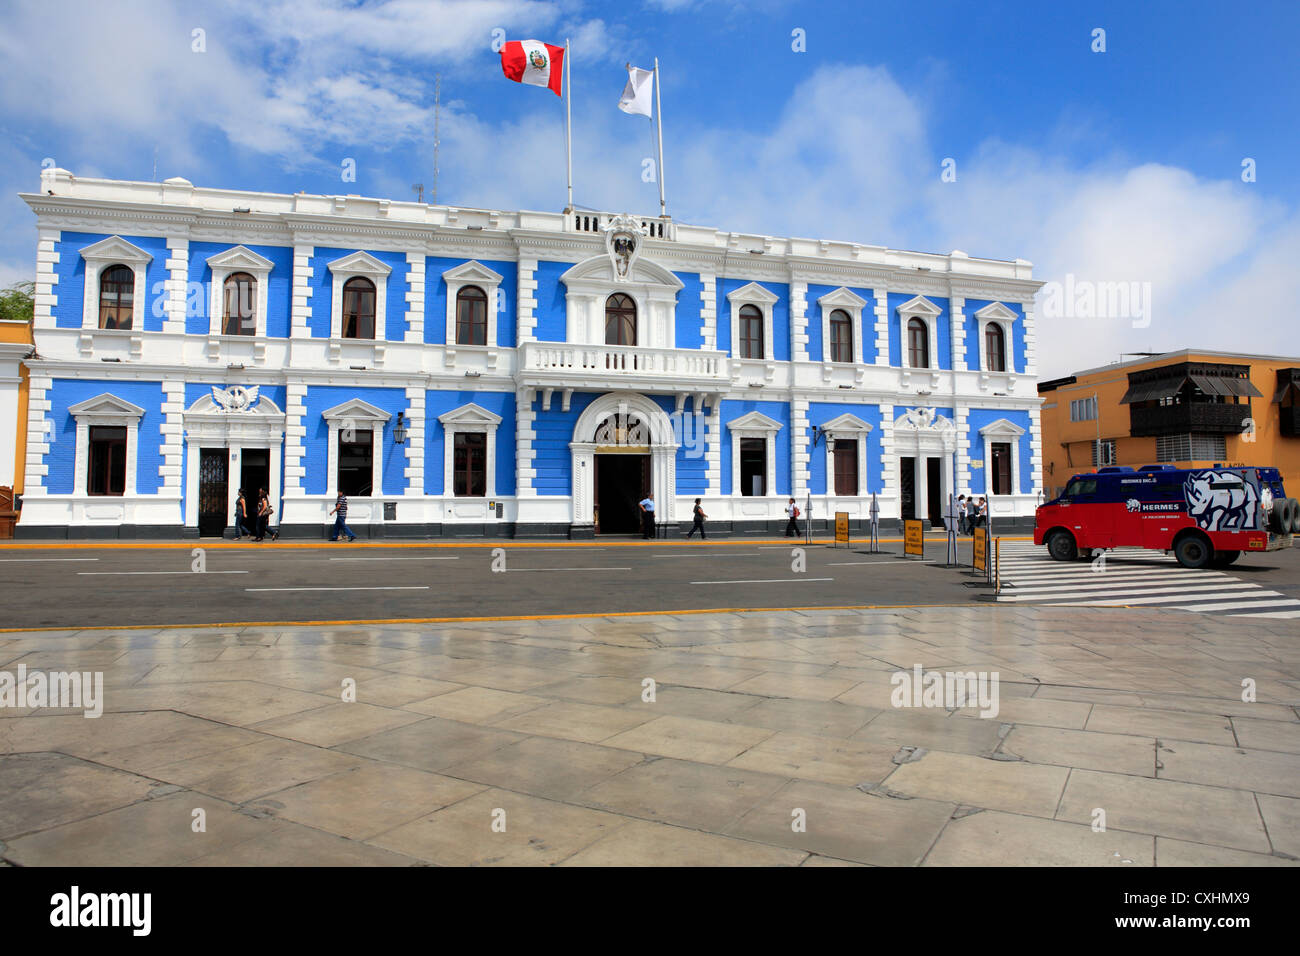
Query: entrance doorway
{"points": [[934, 492], [214, 492], [907, 486], [621, 481], [255, 473]]}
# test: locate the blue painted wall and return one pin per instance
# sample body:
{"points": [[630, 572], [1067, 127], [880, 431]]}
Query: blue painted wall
{"points": [[316, 442], [71, 270], [780, 315], [435, 436], [552, 324], [279, 290], [941, 347], [688, 332], [821, 412], [976, 419], [868, 346], [392, 326], [552, 458], [61, 458], [692, 463], [780, 411]]}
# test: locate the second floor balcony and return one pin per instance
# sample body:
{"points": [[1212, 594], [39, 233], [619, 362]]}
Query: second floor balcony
{"points": [[560, 364], [1189, 418]]}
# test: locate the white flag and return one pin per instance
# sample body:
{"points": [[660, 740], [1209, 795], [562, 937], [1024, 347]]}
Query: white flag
{"points": [[637, 93]]}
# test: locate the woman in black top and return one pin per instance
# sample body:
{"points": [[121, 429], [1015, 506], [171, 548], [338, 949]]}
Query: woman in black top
{"points": [[699, 521]]}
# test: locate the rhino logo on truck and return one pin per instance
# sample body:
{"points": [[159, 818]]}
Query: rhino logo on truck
{"points": [[1221, 501]]}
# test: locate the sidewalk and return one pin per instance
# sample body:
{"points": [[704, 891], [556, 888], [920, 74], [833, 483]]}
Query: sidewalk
{"points": [[771, 738]]}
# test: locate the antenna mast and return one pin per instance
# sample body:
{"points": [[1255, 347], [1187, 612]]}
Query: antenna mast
{"points": [[437, 115]]}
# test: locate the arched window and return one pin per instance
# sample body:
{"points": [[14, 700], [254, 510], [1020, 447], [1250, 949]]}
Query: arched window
{"points": [[116, 295], [240, 300], [358, 309], [841, 337], [918, 344], [620, 320], [751, 332], [471, 316], [995, 347]]}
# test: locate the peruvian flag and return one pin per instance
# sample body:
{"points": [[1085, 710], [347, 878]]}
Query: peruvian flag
{"points": [[534, 63]]}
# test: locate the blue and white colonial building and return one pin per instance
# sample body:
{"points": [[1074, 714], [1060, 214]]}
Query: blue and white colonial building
{"points": [[481, 372]]}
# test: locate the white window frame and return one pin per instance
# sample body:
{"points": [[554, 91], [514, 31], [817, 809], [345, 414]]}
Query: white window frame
{"points": [[468, 418], [851, 303], [101, 255], [754, 425], [225, 264], [999, 431], [472, 273], [997, 314], [360, 415], [105, 409], [919, 307], [365, 266], [753, 294], [851, 427]]}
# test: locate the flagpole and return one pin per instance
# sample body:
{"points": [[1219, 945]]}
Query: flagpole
{"points": [[568, 124], [659, 117]]}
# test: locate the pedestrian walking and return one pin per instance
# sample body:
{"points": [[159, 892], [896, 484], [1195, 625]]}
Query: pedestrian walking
{"points": [[972, 514], [264, 512], [699, 521], [647, 506], [340, 511], [792, 526], [242, 528], [961, 514], [982, 518]]}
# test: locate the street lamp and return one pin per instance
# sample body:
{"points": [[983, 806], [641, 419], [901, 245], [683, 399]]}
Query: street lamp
{"points": [[818, 434], [399, 430]]}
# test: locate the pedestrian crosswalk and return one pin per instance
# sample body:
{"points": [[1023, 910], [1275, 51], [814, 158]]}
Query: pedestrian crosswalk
{"points": [[1133, 577]]}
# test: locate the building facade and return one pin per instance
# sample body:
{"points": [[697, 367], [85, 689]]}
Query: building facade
{"points": [[476, 372], [1189, 408]]}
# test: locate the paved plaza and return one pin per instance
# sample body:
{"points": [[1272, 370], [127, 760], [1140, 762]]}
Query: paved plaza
{"points": [[770, 740]]}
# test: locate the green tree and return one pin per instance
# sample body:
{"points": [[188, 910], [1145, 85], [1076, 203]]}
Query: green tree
{"points": [[18, 302]]}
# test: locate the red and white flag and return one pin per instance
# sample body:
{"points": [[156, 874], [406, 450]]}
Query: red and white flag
{"points": [[534, 63]]}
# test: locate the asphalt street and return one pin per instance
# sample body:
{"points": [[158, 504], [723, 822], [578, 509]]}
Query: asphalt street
{"points": [[113, 585]]}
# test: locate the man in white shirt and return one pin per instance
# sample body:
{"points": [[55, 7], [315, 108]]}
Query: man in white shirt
{"points": [[647, 506], [792, 526]]}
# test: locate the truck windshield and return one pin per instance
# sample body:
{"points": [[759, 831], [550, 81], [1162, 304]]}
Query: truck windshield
{"points": [[1080, 487]]}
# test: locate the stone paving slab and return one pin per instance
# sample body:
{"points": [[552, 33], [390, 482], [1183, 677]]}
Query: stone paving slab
{"points": [[770, 739]]}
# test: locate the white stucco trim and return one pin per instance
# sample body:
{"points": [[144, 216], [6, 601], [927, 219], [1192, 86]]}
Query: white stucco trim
{"points": [[754, 425], [208, 425], [752, 294], [919, 307], [99, 256], [223, 265], [358, 415], [663, 453], [109, 410], [359, 265], [469, 418], [651, 286], [852, 304], [1002, 431]]}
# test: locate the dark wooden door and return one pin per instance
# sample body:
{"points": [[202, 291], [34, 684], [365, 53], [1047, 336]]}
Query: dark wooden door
{"points": [[907, 486], [214, 492], [1001, 470], [934, 492]]}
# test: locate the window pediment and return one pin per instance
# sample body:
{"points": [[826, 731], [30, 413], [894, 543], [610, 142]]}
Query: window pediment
{"points": [[842, 298], [240, 259], [106, 406], [115, 249], [359, 264], [846, 424], [356, 409], [752, 294], [754, 422], [919, 306], [470, 415], [1002, 428], [996, 312], [597, 273], [472, 272]]}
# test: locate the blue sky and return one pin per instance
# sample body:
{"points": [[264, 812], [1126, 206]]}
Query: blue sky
{"points": [[1115, 166]]}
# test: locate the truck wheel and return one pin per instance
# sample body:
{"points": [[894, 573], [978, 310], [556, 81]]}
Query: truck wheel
{"points": [[1193, 551], [1292, 516], [1279, 519], [1224, 558], [1061, 546]]}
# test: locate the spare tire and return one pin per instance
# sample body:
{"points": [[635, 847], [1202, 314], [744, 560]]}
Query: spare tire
{"points": [[1292, 516], [1279, 519]]}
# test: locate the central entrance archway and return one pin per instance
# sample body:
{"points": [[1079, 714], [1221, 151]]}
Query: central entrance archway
{"points": [[623, 447]]}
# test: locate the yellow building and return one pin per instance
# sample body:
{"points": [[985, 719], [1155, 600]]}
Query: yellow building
{"points": [[15, 345], [1187, 408]]}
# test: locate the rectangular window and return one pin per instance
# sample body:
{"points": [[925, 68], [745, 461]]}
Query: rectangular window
{"points": [[1083, 410], [356, 462], [1103, 452], [846, 467], [469, 469], [751, 335], [107, 460], [1170, 448], [753, 467], [1001, 468]]}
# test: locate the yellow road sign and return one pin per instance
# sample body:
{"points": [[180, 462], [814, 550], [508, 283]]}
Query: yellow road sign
{"points": [[913, 538], [841, 527]]}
